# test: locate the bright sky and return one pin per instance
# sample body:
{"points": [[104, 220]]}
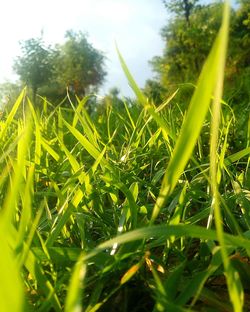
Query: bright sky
{"points": [[134, 24]]}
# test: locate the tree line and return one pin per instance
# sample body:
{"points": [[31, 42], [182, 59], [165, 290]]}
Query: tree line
{"points": [[78, 67], [74, 66], [188, 38]]}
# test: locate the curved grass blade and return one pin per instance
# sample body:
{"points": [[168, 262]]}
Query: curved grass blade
{"points": [[49, 149], [38, 151], [12, 114], [143, 100], [237, 156], [193, 122], [73, 301], [234, 285], [166, 231]]}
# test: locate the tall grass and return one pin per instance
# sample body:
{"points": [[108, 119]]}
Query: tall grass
{"points": [[125, 210]]}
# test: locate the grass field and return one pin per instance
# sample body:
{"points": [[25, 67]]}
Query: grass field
{"points": [[140, 208]]}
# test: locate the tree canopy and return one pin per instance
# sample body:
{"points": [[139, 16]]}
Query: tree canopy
{"points": [[189, 40], [78, 65], [181, 7], [75, 65], [35, 66]]}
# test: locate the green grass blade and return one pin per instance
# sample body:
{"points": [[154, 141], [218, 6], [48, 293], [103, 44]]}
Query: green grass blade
{"points": [[143, 100], [27, 199], [72, 160], [237, 156], [49, 149], [192, 124], [11, 288], [167, 231], [73, 301], [140, 96], [233, 280], [91, 149], [12, 114], [79, 108], [37, 157], [12, 197]]}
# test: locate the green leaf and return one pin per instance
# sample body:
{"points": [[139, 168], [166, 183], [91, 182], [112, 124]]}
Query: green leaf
{"points": [[12, 114], [11, 287], [166, 231], [74, 296]]}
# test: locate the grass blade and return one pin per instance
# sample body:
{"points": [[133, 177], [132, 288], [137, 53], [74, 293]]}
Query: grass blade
{"points": [[233, 280], [73, 301], [192, 124]]}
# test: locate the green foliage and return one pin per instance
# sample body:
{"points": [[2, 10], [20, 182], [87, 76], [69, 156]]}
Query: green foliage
{"points": [[238, 73], [78, 65], [35, 66], [76, 201], [181, 7], [74, 65], [87, 223], [188, 44], [154, 91]]}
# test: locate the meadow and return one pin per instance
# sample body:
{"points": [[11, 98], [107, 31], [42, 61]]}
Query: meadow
{"points": [[140, 208]]}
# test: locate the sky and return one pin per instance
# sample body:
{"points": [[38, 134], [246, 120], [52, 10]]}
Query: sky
{"points": [[134, 24]]}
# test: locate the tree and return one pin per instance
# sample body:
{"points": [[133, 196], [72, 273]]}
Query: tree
{"points": [[78, 65], [187, 47], [75, 65], [181, 7], [35, 66]]}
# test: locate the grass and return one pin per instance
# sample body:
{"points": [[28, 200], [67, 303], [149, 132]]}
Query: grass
{"points": [[126, 210]]}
